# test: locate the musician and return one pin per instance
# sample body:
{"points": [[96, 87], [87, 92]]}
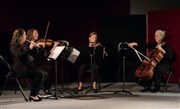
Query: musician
{"points": [[40, 55], [163, 65], [85, 63], [23, 63]]}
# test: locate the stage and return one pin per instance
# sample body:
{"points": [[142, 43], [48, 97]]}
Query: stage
{"points": [[105, 100]]}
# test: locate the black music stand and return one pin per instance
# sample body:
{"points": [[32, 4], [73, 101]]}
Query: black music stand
{"points": [[139, 54], [96, 55], [67, 54], [53, 57], [123, 47]]}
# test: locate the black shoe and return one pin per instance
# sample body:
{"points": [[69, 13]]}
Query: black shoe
{"points": [[39, 96], [95, 90], [78, 90], [146, 89], [35, 100], [48, 92], [156, 89]]}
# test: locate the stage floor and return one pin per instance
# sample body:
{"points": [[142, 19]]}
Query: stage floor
{"points": [[103, 100]]}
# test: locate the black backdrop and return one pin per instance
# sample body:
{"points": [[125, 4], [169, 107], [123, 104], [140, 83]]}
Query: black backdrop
{"points": [[111, 31], [120, 29]]}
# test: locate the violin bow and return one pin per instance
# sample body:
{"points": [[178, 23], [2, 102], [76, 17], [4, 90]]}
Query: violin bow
{"points": [[46, 30]]}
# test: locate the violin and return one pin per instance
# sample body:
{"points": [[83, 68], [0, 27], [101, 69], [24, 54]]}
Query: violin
{"points": [[48, 43], [95, 44], [45, 43], [51, 43]]}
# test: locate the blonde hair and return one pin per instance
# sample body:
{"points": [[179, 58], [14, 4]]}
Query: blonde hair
{"points": [[161, 33], [17, 34], [30, 33]]}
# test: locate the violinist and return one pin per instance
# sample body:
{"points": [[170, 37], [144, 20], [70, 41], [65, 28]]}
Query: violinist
{"points": [[40, 55], [84, 64], [163, 65], [23, 63]]}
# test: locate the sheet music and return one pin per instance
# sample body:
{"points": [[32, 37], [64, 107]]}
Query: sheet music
{"points": [[73, 56], [56, 52]]}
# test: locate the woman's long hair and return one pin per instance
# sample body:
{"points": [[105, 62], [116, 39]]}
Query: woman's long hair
{"points": [[16, 35], [30, 33]]}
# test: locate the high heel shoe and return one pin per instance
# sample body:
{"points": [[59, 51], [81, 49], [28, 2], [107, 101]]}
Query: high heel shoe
{"points": [[48, 92], [35, 100], [78, 90], [40, 97], [95, 90]]}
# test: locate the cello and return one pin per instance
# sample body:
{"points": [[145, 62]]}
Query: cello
{"points": [[146, 69]]}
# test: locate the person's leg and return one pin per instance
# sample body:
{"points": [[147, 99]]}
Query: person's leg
{"points": [[147, 85], [157, 76], [157, 79], [38, 78], [48, 82], [95, 76], [80, 76]]}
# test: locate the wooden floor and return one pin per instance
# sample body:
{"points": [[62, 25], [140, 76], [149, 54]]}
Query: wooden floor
{"points": [[106, 99]]}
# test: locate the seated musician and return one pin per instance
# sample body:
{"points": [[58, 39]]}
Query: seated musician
{"points": [[23, 63], [163, 65], [85, 63], [40, 55]]}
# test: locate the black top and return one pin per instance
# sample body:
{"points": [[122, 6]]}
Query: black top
{"points": [[21, 57], [168, 54], [90, 53]]}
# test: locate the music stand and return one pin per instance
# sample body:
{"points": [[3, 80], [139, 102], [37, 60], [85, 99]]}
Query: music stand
{"points": [[70, 54], [138, 55], [122, 47], [66, 53], [53, 56], [96, 55]]}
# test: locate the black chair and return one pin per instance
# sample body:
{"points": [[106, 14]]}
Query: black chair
{"points": [[170, 73], [89, 77], [93, 55], [11, 75]]}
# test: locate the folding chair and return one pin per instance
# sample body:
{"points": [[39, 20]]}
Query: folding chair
{"points": [[11, 75], [170, 73]]}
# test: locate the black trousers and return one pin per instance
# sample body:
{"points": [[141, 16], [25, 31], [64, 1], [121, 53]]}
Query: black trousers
{"points": [[87, 66], [48, 82], [157, 76], [38, 77]]}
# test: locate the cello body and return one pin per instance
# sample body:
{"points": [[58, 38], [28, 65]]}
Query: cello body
{"points": [[146, 69]]}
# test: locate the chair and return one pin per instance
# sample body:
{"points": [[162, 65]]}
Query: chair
{"points": [[11, 75], [170, 73], [95, 56]]}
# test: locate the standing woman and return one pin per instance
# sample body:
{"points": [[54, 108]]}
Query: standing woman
{"points": [[23, 63]]}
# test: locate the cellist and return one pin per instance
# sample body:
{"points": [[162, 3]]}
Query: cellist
{"points": [[163, 65]]}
